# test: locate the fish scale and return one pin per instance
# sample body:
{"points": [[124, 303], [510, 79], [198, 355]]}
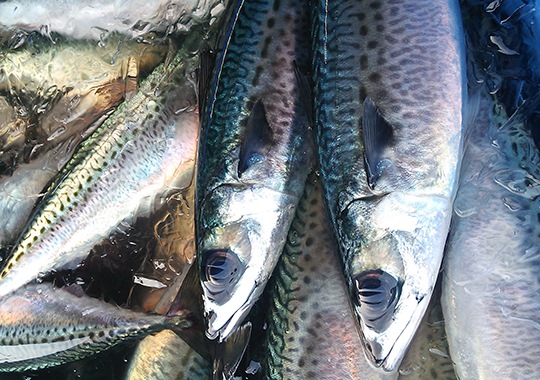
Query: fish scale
{"points": [[134, 155], [389, 92]]}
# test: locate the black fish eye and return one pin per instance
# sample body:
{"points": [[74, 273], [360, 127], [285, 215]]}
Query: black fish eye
{"points": [[220, 269], [377, 293]]}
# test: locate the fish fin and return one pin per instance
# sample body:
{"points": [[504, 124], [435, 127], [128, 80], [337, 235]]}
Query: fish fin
{"points": [[257, 139], [305, 93], [377, 134], [206, 65], [189, 298], [214, 64], [228, 354]]}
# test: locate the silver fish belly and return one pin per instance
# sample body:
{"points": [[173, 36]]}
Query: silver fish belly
{"points": [[389, 89]]}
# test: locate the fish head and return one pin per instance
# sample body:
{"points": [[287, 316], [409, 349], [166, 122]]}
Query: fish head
{"points": [[401, 242], [238, 245]]}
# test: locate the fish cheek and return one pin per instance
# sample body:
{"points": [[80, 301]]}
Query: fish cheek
{"points": [[220, 270], [376, 296]]}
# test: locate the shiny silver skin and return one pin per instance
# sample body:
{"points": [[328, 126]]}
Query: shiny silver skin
{"points": [[491, 288], [254, 156], [41, 326], [136, 156], [389, 89]]}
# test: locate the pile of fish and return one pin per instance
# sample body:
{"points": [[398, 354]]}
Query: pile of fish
{"points": [[273, 189]]}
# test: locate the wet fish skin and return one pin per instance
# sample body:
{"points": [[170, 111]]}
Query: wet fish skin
{"points": [[490, 285], [134, 157], [254, 157], [313, 333], [73, 100], [41, 327], [389, 90]]}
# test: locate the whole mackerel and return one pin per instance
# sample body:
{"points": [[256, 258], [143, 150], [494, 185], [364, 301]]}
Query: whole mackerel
{"points": [[254, 156], [389, 89], [491, 287], [41, 327], [131, 160]]}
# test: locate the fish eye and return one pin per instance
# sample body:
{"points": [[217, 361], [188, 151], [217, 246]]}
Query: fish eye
{"points": [[220, 269], [377, 293]]}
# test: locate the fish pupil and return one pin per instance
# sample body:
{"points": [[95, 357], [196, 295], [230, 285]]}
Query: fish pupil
{"points": [[220, 270]]}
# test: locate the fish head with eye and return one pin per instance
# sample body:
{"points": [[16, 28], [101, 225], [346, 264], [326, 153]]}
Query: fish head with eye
{"points": [[391, 278], [238, 246]]}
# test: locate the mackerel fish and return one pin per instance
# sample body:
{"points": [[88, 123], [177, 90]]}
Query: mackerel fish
{"points": [[389, 93], [254, 156], [312, 333], [60, 94], [132, 160], [491, 291], [41, 327]]}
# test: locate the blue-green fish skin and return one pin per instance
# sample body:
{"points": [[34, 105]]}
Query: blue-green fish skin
{"points": [[134, 157], [41, 327], [389, 88], [491, 299], [254, 156], [312, 332]]}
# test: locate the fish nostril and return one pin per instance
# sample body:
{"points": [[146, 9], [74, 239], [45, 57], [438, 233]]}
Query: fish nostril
{"points": [[377, 293]]}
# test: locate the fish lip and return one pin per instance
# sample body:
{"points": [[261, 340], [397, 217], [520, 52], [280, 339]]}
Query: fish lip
{"points": [[390, 363]]}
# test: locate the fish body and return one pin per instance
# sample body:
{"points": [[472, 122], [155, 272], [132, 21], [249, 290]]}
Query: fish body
{"points": [[41, 326], [131, 160], [312, 332], [389, 94], [254, 157], [60, 95], [491, 299], [90, 19]]}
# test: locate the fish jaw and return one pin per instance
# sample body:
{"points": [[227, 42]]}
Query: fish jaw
{"points": [[396, 267], [241, 236]]}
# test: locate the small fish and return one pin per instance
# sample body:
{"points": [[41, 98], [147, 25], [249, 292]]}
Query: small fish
{"points": [[56, 102], [491, 292], [41, 327], [254, 156], [311, 325], [135, 157], [93, 19], [389, 86]]}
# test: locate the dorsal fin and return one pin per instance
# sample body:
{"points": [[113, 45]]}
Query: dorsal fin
{"points": [[377, 134], [257, 139], [228, 354]]}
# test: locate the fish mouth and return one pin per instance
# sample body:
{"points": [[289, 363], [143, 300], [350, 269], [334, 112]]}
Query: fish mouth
{"points": [[220, 328], [385, 353]]}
